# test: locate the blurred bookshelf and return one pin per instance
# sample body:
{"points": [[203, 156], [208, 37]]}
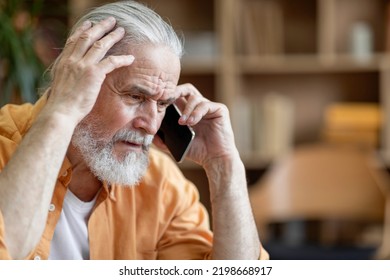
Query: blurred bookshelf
{"points": [[311, 54], [279, 64]]}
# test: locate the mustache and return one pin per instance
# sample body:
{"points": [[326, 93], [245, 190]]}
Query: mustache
{"points": [[134, 136]]}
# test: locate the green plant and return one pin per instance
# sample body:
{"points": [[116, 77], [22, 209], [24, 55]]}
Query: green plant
{"points": [[20, 64]]}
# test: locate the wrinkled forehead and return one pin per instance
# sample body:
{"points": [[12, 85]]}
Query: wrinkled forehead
{"points": [[148, 74], [154, 69]]}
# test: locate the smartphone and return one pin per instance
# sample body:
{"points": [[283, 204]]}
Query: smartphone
{"points": [[176, 137]]}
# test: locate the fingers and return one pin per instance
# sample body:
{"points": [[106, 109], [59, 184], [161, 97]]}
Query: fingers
{"points": [[72, 40], [90, 38], [192, 110], [100, 47], [111, 63], [92, 42], [194, 106], [87, 47], [83, 66], [185, 90]]}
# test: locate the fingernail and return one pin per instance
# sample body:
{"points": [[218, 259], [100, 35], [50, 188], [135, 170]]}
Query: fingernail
{"points": [[111, 19], [183, 118]]}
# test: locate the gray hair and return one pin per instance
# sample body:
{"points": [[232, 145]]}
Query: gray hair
{"points": [[142, 26]]}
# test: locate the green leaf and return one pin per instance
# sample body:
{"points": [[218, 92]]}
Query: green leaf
{"points": [[24, 68]]}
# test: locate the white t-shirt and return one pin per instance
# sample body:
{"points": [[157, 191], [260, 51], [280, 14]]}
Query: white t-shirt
{"points": [[70, 240]]}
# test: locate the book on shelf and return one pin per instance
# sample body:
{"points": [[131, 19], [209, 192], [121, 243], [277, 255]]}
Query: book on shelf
{"points": [[264, 125], [353, 123], [273, 130], [242, 125], [260, 28]]}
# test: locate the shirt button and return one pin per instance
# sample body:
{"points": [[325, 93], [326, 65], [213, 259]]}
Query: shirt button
{"points": [[37, 258], [52, 207]]}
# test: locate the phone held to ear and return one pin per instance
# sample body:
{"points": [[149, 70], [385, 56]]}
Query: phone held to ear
{"points": [[176, 137]]}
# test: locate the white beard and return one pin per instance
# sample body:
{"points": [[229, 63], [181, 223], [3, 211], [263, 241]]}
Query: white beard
{"points": [[98, 153]]}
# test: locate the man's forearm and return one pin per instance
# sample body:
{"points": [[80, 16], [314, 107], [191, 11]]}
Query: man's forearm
{"points": [[235, 233], [27, 181]]}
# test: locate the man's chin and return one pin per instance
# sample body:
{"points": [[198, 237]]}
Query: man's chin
{"points": [[121, 157], [127, 172]]}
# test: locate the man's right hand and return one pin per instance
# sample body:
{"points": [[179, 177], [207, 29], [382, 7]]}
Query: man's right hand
{"points": [[80, 71]]}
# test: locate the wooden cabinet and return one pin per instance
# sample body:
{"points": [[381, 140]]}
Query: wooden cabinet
{"points": [[278, 64]]}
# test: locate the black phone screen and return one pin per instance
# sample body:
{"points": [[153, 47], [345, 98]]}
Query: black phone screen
{"points": [[175, 136]]}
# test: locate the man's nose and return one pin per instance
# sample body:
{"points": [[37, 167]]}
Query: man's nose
{"points": [[148, 118]]}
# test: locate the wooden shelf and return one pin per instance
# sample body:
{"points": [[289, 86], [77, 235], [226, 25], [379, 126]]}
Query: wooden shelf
{"points": [[307, 63]]}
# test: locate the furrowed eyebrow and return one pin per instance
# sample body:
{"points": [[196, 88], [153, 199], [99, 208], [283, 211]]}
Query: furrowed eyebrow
{"points": [[145, 92], [141, 90]]}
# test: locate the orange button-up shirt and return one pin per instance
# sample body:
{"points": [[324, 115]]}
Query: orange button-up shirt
{"points": [[161, 218]]}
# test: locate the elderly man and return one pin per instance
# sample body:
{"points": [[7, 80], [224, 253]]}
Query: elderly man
{"points": [[79, 177]]}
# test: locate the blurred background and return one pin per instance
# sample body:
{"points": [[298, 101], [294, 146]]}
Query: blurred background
{"points": [[307, 83]]}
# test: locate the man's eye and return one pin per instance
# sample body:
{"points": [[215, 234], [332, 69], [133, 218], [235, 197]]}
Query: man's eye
{"points": [[163, 104], [133, 98], [136, 97]]}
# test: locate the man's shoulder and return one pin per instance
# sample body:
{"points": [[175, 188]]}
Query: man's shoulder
{"points": [[16, 119]]}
